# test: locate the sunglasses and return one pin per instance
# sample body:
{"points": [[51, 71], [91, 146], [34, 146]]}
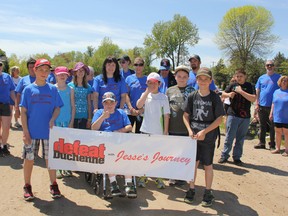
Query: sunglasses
{"points": [[269, 65], [122, 62], [140, 65]]}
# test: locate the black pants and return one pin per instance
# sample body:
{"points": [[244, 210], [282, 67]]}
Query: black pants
{"points": [[80, 123], [137, 120], [266, 125]]}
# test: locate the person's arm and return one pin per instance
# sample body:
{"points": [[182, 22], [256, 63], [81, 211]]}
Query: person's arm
{"points": [[126, 129], [123, 100], [166, 124], [226, 95], [141, 101], [95, 101], [257, 100], [187, 124], [271, 112], [26, 135], [88, 125], [73, 110], [54, 116], [97, 124], [249, 97], [201, 134], [17, 102]]}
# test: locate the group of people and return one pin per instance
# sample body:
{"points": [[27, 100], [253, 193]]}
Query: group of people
{"points": [[183, 103]]}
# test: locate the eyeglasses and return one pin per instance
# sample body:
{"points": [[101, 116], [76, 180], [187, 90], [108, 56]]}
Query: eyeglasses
{"points": [[122, 62], [284, 80], [140, 65], [269, 65]]}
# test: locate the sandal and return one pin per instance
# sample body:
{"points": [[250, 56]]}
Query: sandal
{"points": [[276, 151], [285, 154]]}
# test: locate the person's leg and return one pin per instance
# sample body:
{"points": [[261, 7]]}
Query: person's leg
{"points": [[139, 120], [285, 131], [232, 126], [6, 120], [208, 176], [262, 128], [278, 133], [115, 191], [243, 125]]}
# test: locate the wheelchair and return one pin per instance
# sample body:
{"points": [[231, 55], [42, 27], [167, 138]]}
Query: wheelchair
{"points": [[101, 185]]}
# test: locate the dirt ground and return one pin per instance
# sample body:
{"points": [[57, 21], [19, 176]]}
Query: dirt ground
{"points": [[259, 187]]}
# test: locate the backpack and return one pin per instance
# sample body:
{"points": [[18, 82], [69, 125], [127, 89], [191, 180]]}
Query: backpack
{"points": [[213, 98]]}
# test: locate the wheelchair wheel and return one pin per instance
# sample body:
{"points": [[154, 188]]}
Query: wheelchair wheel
{"points": [[88, 177]]}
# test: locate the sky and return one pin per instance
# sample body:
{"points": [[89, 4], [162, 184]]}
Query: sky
{"points": [[28, 27]]}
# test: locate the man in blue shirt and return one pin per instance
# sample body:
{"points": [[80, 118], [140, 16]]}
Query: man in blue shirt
{"points": [[195, 62], [265, 87]]}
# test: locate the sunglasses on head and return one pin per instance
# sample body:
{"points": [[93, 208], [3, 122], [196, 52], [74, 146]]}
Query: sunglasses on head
{"points": [[140, 65], [269, 65]]}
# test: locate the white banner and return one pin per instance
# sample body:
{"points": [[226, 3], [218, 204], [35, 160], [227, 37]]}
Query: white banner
{"points": [[171, 157]]}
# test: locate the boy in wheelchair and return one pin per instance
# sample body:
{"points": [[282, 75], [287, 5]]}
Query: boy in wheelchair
{"points": [[110, 119]]}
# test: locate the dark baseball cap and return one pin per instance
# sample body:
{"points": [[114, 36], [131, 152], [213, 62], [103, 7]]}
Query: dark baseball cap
{"points": [[164, 64], [125, 58], [195, 57]]}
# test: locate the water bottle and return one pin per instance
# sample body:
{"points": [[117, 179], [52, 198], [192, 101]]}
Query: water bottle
{"points": [[29, 152]]}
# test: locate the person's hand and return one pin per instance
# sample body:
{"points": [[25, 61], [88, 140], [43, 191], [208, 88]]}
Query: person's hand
{"points": [[200, 135], [51, 124], [271, 117], [106, 114], [27, 139], [232, 94], [238, 89]]}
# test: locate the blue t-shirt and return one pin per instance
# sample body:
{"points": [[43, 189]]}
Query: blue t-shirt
{"points": [[267, 85], [81, 101], [164, 85], [136, 87], [117, 88], [25, 81], [126, 74], [40, 102], [280, 101], [116, 121], [64, 116], [51, 78], [192, 79], [6, 86]]}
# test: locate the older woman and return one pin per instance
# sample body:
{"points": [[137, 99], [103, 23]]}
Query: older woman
{"points": [[279, 114]]}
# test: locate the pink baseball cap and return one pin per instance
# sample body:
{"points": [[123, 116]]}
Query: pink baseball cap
{"points": [[61, 70]]}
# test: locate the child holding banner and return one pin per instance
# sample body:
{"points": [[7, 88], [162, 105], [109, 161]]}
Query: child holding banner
{"points": [[156, 115], [67, 112], [111, 119], [40, 106], [203, 112]]}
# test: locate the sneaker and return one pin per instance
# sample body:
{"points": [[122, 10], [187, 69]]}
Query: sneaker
{"points": [[172, 182], [285, 154], [5, 150], [115, 191], [208, 198], [130, 190], [28, 195], [180, 182], [59, 174], [272, 145], [142, 181], [160, 183], [222, 160], [17, 125], [189, 197], [238, 162], [67, 173], [1, 152], [54, 191], [259, 146]]}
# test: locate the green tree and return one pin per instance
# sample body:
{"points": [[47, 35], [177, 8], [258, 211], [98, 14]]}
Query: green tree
{"points": [[246, 31], [280, 61], [171, 39]]}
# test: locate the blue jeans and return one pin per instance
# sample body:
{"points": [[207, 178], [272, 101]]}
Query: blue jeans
{"points": [[236, 128]]}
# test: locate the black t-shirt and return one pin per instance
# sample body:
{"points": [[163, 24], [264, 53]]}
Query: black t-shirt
{"points": [[240, 106]]}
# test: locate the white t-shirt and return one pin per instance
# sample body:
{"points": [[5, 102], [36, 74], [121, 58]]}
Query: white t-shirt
{"points": [[156, 106], [16, 80]]}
